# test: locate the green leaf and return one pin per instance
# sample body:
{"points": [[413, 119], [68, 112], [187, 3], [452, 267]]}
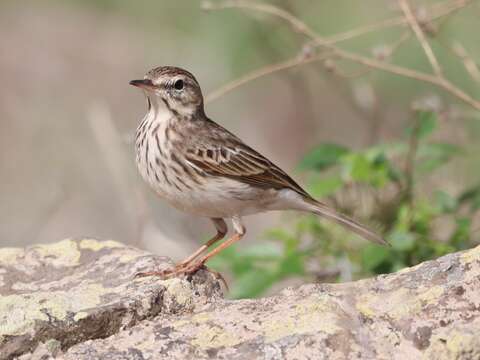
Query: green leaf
{"points": [[373, 256], [323, 157], [427, 122], [403, 218], [402, 241], [325, 187], [433, 155], [356, 168], [371, 169]]}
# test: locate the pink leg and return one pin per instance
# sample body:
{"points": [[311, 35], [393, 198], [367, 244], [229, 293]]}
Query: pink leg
{"points": [[221, 227]]}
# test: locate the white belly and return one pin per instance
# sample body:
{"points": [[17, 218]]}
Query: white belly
{"points": [[213, 197], [216, 197]]}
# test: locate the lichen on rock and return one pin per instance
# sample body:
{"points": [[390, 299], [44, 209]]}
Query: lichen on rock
{"points": [[76, 290], [86, 304]]}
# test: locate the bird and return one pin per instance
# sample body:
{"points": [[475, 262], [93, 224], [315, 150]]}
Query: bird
{"points": [[201, 168]]}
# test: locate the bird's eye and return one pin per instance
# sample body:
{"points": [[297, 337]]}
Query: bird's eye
{"points": [[178, 84]]}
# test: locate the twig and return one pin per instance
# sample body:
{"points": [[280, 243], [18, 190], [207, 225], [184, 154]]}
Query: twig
{"points": [[440, 82], [412, 74], [396, 45], [297, 24], [270, 69], [388, 53], [468, 62], [437, 10], [407, 11]]}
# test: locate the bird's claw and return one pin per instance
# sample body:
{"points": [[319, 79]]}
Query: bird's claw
{"points": [[183, 270], [178, 270]]}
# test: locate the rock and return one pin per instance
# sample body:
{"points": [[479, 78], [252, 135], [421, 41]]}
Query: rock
{"points": [[54, 296], [429, 311]]}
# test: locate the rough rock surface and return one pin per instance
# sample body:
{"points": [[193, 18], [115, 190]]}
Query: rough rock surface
{"points": [[65, 293], [429, 311]]}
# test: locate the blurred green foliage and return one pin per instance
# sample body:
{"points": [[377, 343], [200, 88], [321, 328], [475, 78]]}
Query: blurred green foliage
{"points": [[409, 220]]}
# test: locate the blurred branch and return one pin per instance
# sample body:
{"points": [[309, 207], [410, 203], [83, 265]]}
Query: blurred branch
{"points": [[410, 17], [270, 69], [337, 52], [297, 24], [412, 74], [386, 53], [437, 11], [468, 62]]}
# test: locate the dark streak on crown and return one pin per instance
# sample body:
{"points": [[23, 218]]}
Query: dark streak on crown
{"points": [[170, 71]]}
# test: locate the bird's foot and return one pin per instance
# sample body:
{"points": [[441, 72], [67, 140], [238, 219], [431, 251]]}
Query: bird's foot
{"points": [[183, 270], [177, 270]]}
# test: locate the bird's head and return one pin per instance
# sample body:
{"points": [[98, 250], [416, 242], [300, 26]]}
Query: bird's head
{"points": [[172, 88]]}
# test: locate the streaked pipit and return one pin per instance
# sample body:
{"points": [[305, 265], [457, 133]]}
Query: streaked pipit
{"points": [[201, 168]]}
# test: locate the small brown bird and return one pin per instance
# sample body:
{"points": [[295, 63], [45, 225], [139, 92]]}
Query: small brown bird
{"points": [[201, 168]]}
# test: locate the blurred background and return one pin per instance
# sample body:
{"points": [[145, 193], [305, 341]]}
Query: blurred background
{"points": [[397, 153]]}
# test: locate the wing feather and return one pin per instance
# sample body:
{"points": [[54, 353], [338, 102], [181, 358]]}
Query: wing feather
{"points": [[237, 161]]}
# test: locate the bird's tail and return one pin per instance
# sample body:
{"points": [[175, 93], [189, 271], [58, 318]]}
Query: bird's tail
{"points": [[350, 224]]}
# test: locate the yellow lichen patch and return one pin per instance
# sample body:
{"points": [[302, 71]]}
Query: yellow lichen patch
{"points": [[80, 315], [201, 318], [307, 317], [363, 305], [456, 345], [461, 343], [18, 313], [126, 258], [62, 253], [401, 303], [95, 245], [396, 304], [179, 290], [213, 337], [405, 303], [8, 256], [471, 255], [431, 295], [471, 275]]}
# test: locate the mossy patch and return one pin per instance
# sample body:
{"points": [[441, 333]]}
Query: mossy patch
{"points": [[95, 245], [61, 254], [309, 316], [9, 256], [18, 313]]}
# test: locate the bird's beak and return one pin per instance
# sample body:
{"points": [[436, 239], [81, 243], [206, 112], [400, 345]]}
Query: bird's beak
{"points": [[143, 84]]}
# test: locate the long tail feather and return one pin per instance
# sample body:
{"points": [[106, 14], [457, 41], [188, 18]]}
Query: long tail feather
{"points": [[350, 224]]}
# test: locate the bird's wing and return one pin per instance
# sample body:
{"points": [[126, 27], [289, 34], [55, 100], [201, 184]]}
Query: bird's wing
{"points": [[223, 154]]}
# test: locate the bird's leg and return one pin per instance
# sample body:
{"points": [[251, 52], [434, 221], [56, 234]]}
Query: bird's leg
{"points": [[239, 233], [221, 227]]}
